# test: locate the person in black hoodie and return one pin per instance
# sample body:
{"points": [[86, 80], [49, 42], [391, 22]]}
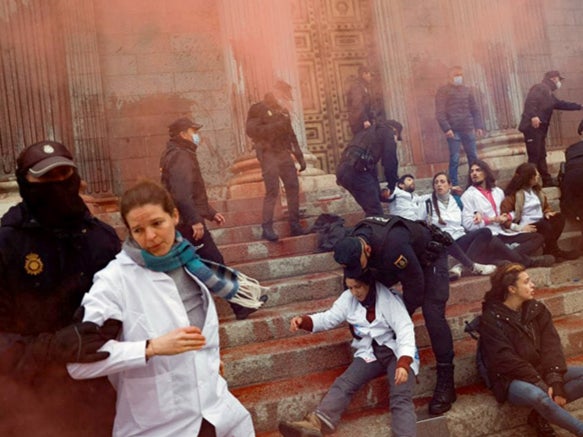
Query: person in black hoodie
{"points": [[522, 353], [536, 118]]}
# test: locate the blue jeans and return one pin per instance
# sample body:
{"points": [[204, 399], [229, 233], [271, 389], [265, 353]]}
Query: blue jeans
{"points": [[468, 141], [529, 395]]}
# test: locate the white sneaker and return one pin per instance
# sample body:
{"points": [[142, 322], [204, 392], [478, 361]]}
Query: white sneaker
{"points": [[455, 272], [483, 269]]}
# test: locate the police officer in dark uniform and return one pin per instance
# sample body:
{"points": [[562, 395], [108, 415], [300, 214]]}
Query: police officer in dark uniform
{"points": [[269, 126], [357, 170], [539, 105], [399, 250], [50, 248], [571, 183]]}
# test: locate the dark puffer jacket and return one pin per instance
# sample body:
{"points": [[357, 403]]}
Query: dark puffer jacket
{"points": [[521, 346], [456, 108], [540, 102]]}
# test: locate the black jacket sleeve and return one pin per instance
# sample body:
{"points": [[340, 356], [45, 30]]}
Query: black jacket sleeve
{"points": [[184, 181]]}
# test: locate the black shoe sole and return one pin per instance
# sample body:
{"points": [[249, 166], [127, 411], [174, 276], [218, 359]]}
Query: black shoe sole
{"points": [[289, 430]]}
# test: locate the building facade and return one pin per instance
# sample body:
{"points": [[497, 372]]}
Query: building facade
{"points": [[109, 79]]}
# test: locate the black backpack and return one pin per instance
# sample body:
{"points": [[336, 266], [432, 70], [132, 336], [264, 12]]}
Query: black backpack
{"points": [[473, 328]]}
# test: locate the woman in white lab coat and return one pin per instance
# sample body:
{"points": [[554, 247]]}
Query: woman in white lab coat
{"points": [[165, 363]]}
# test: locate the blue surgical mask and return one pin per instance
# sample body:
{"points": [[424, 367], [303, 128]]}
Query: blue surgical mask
{"points": [[196, 139], [458, 80]]}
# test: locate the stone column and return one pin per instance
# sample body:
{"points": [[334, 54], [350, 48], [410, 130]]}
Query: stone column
{"points": [[396, 77], [259, 43]]}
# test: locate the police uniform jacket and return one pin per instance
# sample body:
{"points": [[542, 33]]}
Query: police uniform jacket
{"points": [[571, 192], [182, 177], [44, 274], [398, 247], [270, 129], [392, 326], [168, 395], [540, 102], [520, 345], [359, 105]]}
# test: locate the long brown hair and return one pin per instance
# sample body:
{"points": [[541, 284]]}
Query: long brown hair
{"points": [[434, 195], [521, 179]]}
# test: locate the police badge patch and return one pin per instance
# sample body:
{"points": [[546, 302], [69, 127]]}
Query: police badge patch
{"points": [[401, 262], [33, 264]]}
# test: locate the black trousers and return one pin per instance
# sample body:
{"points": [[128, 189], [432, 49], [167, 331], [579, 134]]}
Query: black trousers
{"points": [[536, 150], [470, 247], [364, 187], [275, 165], [551, 230], [208, 249], [498, 252]]}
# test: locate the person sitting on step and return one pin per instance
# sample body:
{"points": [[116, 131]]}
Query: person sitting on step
{"points": [[527, 206], [384, 343], [443, 211], [522, 353], [481, 209]]}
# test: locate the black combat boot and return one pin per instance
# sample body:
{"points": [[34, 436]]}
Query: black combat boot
{"points": [[268, 232], [541, 425], [444, 393], [296, 229]]}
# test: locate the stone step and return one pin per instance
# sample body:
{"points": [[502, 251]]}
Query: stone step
{"points": [[311, 293], [233, 232], [259, 250], [292, 266], [475, 413], [291, 398], [270, 356]]}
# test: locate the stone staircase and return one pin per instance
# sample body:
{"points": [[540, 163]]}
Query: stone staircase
{"points": [[278, 375]]}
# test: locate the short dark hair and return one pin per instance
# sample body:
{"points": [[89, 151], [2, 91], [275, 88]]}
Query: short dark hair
{"points": [[401, 180], [145, 192]]}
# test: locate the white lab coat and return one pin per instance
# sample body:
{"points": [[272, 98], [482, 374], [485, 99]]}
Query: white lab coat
{"points": [[405, 204], [474, 201], [392, 326], [166, 395], [450, 214]]}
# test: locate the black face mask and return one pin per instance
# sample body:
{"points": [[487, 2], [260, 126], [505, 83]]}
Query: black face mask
{"points": [[54, 204]]}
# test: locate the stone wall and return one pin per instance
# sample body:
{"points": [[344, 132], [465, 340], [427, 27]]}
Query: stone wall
{"points": [[564, 25], [161, 61]]}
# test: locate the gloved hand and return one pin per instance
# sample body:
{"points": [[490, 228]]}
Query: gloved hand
{"points": [[76, 343]]}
